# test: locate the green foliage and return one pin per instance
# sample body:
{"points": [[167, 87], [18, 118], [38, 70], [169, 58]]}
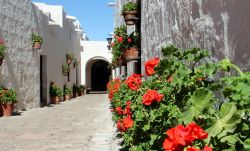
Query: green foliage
{"points": [[67, 90], [189, 82], [7, 95], [65, 69], [36, 38], [54, 90], [75, 62], [121, 31], [81, 88], [75, 88], [2, 50], [69, 56], [130, 6]]}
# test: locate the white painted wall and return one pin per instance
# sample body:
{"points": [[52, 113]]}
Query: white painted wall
{"points": [[21, 67], [92, 50]]}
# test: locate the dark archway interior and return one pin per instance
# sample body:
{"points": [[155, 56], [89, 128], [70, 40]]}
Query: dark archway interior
{"points": [[100, 75]]}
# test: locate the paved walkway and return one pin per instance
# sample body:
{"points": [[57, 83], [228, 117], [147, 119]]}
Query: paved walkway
{"points": [[83, 124]]}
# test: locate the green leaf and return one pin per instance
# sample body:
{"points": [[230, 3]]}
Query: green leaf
{"points": [[247, 145], [227, 121], [200, 100]]}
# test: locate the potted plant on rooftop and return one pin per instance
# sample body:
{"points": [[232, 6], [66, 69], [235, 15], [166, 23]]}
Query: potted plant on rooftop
{"points": [[67, 93], [69, 57], [55, 93], [7, 100], [37, 40], [65, 69], [81, 90], [2, 51], [130, 13]]}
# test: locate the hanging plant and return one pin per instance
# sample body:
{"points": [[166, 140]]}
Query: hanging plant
{"points": [[130, 13], [65, 69], [75, 62], [2, 51], [37, 40], [69, 57]]}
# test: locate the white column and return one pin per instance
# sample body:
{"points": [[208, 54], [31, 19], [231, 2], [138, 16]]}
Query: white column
{"points": [[113, 73], [117, 72], [131, 67]]}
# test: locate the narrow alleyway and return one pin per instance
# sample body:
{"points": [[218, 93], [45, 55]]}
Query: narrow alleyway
{"points": [[81, 125]]}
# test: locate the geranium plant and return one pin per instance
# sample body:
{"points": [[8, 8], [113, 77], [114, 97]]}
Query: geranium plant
{"points": [[181, 92], [36, 38], [67, 90], [65, 69], [7, 96], [2, 49], [54, 90], [129, 6]]}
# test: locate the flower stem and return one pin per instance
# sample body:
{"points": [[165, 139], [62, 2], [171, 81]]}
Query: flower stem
{"points": [[237, 69]]}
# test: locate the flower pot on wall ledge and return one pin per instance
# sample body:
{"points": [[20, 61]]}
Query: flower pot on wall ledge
{"points": [[37, 45], [130, 17], [7, 109], [131, 53]]}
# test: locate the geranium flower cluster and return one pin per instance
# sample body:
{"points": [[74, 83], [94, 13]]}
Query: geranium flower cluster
{"points": [[180, 137], [150, 96], [150, 65], [127, 122], [113, 86], [134, 82]]}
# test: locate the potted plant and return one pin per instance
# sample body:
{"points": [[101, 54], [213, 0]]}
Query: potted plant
{"points": [[81, 90], [7, 100], [132, 51], [119, 44], [130, 13], [65, 69], [55, 93], [2, 51], [75, 62], [37, 40], [75, 90], [69, 57], [67, 93]]}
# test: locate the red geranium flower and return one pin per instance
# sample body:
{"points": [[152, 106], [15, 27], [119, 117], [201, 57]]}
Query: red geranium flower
{"points": [[192, 149], [129, 40], [207, 148], [128, 122], [119, 110], [120, 126], [150, 96], [128, 109], [120, 39], [180, 136], [150, 65], [134, 81]]}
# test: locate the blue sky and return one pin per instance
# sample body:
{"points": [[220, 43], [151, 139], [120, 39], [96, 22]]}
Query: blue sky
{"points": [[96, 17]]}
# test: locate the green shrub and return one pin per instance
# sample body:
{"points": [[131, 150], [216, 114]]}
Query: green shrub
{"points": [[7, 95], [67, 90], [130, 6], [36, 38], [55, 90]]}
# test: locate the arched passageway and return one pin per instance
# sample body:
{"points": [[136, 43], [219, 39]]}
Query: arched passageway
{"points": [[97, 74]]}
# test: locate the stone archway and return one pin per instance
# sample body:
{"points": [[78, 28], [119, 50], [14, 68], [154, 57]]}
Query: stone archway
{"points": [[97, 74]]}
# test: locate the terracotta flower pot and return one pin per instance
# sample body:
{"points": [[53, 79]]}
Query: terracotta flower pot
{"points": [[66, 97], [54, 99], [75, 94], [131, 53], [200, 79], [69, 61], [7, 109], [81, 93], [37, 45], [130, 17]]}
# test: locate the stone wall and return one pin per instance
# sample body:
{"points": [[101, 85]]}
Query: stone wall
{"points": [[20, 69], [221, 26]]}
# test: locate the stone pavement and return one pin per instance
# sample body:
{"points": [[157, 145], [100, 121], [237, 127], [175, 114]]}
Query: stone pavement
{"points": [[83, 124]]}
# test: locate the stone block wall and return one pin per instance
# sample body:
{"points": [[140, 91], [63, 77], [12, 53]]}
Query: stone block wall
{"points": [[20, 69], [221, 26]]}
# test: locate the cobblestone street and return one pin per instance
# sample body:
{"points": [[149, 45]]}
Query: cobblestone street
{"points": [[83, 124]]}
